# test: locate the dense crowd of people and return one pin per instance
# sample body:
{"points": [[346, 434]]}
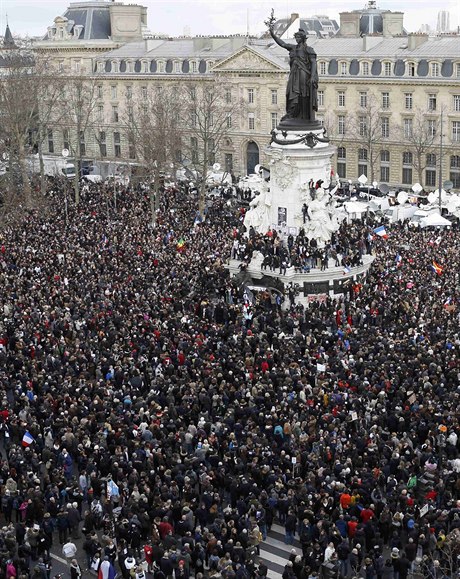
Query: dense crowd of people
{"points": [[142, 407]]}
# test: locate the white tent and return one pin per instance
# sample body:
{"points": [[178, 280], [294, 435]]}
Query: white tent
{"points": [[434, 220], [356, 207]]}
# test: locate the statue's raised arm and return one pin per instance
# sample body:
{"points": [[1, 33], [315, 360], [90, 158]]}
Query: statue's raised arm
{"points": [[270, 22]]}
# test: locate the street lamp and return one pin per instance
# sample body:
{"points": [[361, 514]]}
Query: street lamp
{"points": [[65, 153]]}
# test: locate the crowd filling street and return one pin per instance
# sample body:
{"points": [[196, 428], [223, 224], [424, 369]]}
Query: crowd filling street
{"points": [[156, 423]]}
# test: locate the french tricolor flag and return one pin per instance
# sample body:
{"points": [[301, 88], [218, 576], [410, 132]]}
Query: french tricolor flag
{"points": [[381, 231], [27, 439]]}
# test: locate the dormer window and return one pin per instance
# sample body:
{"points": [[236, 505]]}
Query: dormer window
{"points": [[176, 66], [411, 69], [434, 69], [114, 66], [387, 68], [100, 67], [365, 68], [145, 66], [193, 66], [161, 66], [322, 67], [343, 68], [130, 66]]}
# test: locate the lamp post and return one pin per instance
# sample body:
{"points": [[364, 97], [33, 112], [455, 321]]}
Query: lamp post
{"points": [[65, 154], [440, 164]]}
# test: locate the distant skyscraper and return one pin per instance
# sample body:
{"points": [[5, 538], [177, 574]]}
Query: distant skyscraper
{"points": [[443, 24]]}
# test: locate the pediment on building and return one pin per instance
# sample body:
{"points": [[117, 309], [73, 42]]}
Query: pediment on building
{"points": [[249, 59]]}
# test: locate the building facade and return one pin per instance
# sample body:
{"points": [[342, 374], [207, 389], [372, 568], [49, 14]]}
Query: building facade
{"points": [[385, 98]]}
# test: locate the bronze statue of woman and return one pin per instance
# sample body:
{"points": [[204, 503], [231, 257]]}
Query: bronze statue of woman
{"points": [[302, 85]]}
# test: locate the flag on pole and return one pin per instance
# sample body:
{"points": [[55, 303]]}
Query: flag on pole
{"points": [[436, 268], [180, 244], [381, 232], [27, 439]]}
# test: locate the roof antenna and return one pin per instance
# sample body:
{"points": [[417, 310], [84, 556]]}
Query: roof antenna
{"points": [[247, 23]]}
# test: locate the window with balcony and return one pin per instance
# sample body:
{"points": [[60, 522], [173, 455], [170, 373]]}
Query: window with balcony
{"points": [[102, 144], [408, 128], [342, 162], [432, 102], [456, 131], [320, 95], [385, 126], [408, 101], [430, 171], [456, 103], [117, 144], [454, 174], [50, 141], [385, 100], [407, 168], [362, 162]]}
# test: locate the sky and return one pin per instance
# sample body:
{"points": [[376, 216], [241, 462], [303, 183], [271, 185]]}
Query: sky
{"points": [[177, 17]]}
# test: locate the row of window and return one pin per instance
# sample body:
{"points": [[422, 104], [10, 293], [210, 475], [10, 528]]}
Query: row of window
{"points": [[407, 167], [364, 100], [431, 128], [147, 66], [386, 68], [342, 68]]}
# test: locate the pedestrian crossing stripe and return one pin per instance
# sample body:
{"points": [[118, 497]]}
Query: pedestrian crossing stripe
{"points": [[275, 553]]}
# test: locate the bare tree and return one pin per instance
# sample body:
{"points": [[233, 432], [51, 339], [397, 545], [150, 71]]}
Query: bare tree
{"points": [[420, 135], [18, 112], [365, 129], [207, 115], [155, 132], [78, 100], [49, 90]]}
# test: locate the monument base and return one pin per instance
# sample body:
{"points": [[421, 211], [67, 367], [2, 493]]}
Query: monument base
{"points": [[297, 158], [294, 124], [315, 285]]}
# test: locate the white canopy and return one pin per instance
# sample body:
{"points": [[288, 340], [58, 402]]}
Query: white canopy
{"points": [[434, 220], [356, 207]]}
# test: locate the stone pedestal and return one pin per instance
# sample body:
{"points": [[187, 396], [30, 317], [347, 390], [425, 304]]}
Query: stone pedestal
{"points": [[296, 156]]}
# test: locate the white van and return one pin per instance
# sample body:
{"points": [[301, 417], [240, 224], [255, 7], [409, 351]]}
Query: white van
{"points": [[400, 212], [69, 171]]}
